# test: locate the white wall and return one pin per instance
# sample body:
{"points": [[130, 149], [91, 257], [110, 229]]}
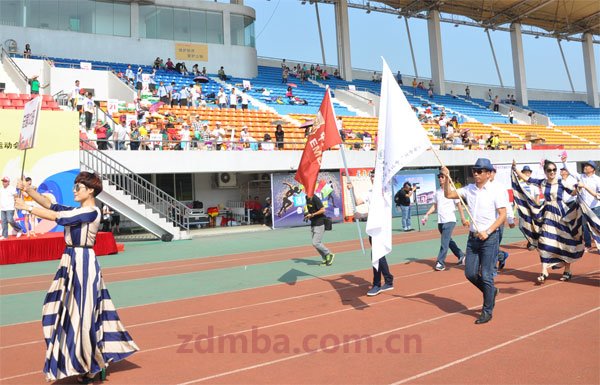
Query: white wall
{"points": [[105, 84]]}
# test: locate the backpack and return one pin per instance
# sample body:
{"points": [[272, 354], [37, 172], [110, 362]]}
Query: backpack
{"points": [[397, 199]]}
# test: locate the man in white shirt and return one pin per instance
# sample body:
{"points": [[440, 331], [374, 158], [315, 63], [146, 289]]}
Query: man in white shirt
{"points": [[488, 213], [217, 135], [222, 98], [233, 99], [8, 194], [75, 96], [244, 100], [121, 136], [446, 221], [592, 181], [510, 218]]}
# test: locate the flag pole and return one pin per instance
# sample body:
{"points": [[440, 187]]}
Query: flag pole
{"points": [[353, 198], [353, 201], [455, 189]]}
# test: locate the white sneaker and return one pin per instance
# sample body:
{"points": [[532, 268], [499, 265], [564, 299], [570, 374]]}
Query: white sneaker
{"points": [[19, 234], [1, 238]]}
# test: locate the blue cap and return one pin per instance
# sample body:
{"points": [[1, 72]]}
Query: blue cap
{"points": [[526, 168], [591, 163], [484, 163]]}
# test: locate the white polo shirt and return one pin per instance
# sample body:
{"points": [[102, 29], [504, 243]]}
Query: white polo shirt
{"points": [[7, 197], [483, 204], [592, 182], [503, 194], [446, 208]]}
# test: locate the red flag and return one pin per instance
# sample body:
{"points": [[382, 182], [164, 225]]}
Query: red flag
{"points": [[322, 136]]}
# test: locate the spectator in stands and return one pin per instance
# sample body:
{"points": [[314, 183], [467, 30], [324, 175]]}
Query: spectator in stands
{"points": [[452, 94], [222, 74], [139, 81], [203, 71], [175, 97], [414, 85], [283, 64], [121, 135], [431, 84], [183, 69], [279, 135], [152, 82], [169, 65], [233, 98], [34, 84], [244, 100], [129, 75], [163, 93], [75, 96], [284, 75], [513, 101], [195, 70], [511, 115], [183, 97], [376, 78], [157, 63], [245, 136], [340, 126], [217, 135], [101, 135], [489, 94], [443, 124], [468, 92], [421, 86], [267, 144], [88, 109], [430, 93], [184, 137], [496, 103], [289, 93], [336, 74], [134, 136], [222, 98], [27, 52], [399, 78]]}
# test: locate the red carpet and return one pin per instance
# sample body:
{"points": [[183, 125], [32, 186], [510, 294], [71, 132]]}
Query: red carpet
{"points": [[47, 247]]}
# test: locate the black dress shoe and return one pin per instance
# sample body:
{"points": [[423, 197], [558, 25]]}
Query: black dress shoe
{"points": [[483, 318]]}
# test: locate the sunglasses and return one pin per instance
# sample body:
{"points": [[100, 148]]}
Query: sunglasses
{"points": [[78, 186], [478, 170], [551, 170]]}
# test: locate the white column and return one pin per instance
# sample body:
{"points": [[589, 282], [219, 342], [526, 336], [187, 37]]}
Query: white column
{"points": [[435, 52], [135, 20], [237, 2], [226, 28], [343, 39], [589, 64], [516, 41]]}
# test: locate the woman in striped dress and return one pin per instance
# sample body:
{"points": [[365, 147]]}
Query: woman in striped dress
{"points": [[554, 226], [82, 330]]}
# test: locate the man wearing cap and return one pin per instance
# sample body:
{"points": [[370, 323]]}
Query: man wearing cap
{"points": [[446, 222], [592, 181], [488, 213], [8, 194]]}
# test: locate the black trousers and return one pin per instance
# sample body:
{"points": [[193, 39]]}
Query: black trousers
{"points": [[384, 270]]}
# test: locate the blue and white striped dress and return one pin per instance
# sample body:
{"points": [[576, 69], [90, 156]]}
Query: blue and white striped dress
{"points": [[82, 330], [554, 226]]}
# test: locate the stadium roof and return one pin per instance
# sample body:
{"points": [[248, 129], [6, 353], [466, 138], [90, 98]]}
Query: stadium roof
{"points": [[558, 17]]}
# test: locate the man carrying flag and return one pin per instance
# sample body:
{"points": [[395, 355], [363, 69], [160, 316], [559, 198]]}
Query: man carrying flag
{"points": [[322, 136], [401, 138]]}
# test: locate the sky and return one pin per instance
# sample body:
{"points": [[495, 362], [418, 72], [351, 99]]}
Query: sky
{"points": [[288, 29]]}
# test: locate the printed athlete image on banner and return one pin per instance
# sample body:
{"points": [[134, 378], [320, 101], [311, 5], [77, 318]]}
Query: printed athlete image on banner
{"points": [[426, 183], [53, 161], [289, 198], [362, 185]]}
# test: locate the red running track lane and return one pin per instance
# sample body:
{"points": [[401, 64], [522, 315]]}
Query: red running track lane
{"points": [[126, 273], [448, 291]]}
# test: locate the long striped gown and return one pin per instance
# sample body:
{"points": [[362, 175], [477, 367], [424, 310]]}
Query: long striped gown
{"points": [[555, 227], [82, 330]]}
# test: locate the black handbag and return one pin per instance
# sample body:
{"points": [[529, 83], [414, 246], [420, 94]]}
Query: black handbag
{"points": [[328, 224]]}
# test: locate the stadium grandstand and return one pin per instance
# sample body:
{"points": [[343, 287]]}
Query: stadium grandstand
{"points": [[192, 108]]}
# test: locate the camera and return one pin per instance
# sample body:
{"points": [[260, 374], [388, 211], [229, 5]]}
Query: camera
{"points": [[416, 185]]}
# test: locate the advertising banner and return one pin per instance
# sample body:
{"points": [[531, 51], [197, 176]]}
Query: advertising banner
{"points": [[362, 185], [289, 198], [192, 52], [426, 182]]}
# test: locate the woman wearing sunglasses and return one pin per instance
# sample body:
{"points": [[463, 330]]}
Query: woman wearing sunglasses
{"points": [[82, 330], [554, 225]]}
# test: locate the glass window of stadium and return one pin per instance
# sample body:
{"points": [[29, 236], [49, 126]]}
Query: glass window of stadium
{"points": [[181, 24], [242, 30], [107, 17]]}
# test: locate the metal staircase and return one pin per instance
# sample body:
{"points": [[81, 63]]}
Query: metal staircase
{"points": [[135, 197]]}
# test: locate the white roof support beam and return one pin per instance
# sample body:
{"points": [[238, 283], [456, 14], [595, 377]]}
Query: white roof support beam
{"points": [[342, 30], [589, 63], [516, 41], [435, 52]]}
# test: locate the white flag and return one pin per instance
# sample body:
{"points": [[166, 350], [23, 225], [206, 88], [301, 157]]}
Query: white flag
{"points": [[400, 139]]}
